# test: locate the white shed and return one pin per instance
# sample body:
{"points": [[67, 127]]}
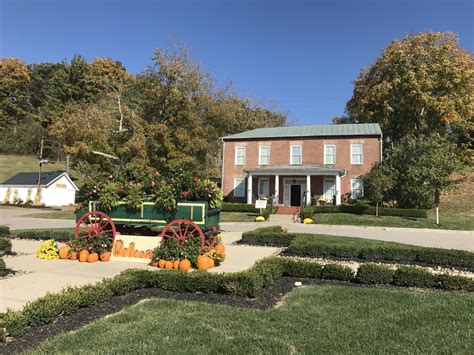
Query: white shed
{"points": [[57, 189]]}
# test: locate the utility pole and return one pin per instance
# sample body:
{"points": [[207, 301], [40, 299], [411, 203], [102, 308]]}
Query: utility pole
{"points": [[68, 161], [37, 201]]}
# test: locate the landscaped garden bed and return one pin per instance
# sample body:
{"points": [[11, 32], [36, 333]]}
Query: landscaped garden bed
{"points": [[334, 247], [345, 319]]}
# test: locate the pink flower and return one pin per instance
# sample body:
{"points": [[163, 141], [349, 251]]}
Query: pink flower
{"points": [[90, 248], [157, 173], [152, 184], [196, 180]]}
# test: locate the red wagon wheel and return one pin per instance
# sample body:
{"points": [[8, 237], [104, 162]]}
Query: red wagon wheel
{"points": [[93, 223], [181, 229]]}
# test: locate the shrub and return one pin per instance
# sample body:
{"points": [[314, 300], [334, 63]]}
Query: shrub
{"points": [[238, 207], [3, 266], [43, 234], [303, 268], [324, 246], [374, 274], [337, 272], [274, 236], [246, 283], [325, 209], [5, 246], [454, 283], [4, 231], [411, 276], [308, 212]]}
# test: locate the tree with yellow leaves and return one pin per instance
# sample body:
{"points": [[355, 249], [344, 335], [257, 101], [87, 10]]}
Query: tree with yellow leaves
{"points": [[420, 85]]}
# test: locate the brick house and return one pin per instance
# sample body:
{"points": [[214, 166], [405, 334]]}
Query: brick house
{"points": [[291, 163]]}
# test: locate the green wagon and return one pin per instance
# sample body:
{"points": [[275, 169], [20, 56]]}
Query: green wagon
{"points": [[190, 218]]}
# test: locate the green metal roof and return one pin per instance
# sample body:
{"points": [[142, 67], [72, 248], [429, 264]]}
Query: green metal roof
{"points": [[356, 129]]}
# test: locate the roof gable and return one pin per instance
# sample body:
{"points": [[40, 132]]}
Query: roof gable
{"points": [[31, 179], [355, 129]]}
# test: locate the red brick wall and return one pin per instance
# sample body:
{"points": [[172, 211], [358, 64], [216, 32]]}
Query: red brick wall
{"points": [[313, 153]]}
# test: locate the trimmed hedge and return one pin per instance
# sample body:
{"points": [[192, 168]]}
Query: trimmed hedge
{"points": [[238, 207], [268, 236], [4, 231], [374, 274], [5, 246], [319, 246], [366, 209], [44, 234], [246, 283]]}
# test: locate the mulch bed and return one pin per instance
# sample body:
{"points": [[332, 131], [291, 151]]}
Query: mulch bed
{"points": [[270, 296]]}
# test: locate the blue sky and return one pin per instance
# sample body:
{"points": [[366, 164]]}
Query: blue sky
{"points": [[300, 55]]}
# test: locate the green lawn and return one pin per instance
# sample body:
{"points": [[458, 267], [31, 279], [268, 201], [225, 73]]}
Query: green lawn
{"points": [[52, 215], [447, 221], [12, 164], [238, 217], [316, 319]]}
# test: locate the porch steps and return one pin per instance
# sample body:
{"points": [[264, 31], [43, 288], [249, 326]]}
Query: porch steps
{"points": [[291, 210]]}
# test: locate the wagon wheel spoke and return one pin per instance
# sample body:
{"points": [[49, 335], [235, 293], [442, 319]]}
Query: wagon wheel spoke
{"points": [[93, 223]]}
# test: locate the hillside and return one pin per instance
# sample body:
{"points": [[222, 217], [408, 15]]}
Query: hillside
{"points": [[459, 202], [12, 164]]}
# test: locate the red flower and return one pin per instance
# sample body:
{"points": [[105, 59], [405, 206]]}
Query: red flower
{"points": [[196, 180], [185, 193]]}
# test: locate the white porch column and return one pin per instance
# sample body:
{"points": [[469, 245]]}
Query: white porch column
{"points": [[338, 190], [277, 189], [249, 189], [308, 190]]}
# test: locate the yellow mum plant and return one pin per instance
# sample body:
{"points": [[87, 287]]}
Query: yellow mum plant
{"points": [[48, 250], [260, 219], [308, 221]]}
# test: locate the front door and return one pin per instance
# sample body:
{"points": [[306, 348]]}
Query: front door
{"points": [[295, 195], [329, 189]]}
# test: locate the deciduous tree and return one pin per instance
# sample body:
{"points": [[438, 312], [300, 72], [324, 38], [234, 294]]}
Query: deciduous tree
{"points": [[419, 85]]}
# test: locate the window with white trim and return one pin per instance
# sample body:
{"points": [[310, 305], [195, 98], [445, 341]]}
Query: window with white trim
{"points": [[264, 155], [357, 154], [295, 154], [357, 188], [240, 155], [239, 187], [263, 187], [329, 154]]}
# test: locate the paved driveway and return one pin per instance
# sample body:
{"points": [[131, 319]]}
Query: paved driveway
{"points": [[13, 218]]}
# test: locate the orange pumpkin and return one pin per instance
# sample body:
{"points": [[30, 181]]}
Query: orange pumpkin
{"points": [[83, 255], [176, 264], [220, 248], [105, 256], [211, 263], [203, 262], [161, 263], [185, 265], [92, 258], [168, 264], [73, 255], [64, 252]]}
